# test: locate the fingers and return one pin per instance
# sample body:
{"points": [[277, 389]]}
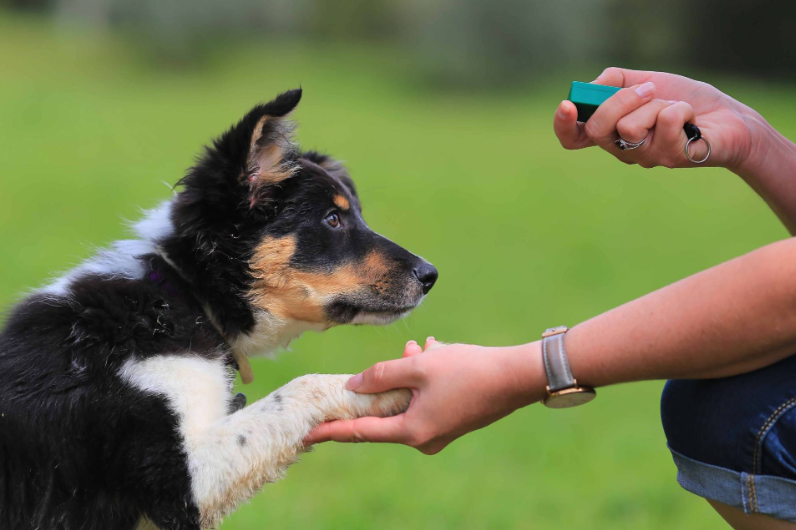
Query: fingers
{"points": [[622, 77], [386, 375], [669, 136], [601, 126], [636, 126], [369, 429], [634, 115], [669, 126], [570, 133], [412, 348]]}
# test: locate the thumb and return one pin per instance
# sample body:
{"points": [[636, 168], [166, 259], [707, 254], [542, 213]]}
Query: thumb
{"points": [[570, 133], [386, 375]]}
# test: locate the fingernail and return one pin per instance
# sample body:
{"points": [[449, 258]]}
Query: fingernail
{"points": [[354, 383], [430, 338], [646, 89], [562, 109], [411, 342], [672, 101]]}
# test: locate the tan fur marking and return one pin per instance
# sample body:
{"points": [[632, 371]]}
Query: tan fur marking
{"points": [[275, 288], [269, 158], [244, 368], [258, 132], [376, 264], [145, 524], [272, 171], [299, 295], [342, 203]]}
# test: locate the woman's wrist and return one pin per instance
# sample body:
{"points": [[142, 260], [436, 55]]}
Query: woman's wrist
{"points": [[767, 150], [770, 169], [524, 373]]}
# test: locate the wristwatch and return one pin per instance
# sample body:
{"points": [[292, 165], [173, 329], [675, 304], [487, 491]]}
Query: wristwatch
{"points": [[562, 389]]}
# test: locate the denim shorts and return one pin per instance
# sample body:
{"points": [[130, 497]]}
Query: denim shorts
{"points": [[734, 439]]}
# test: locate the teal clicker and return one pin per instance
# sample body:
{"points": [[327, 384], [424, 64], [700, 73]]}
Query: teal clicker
{"points": [[588, 96]]}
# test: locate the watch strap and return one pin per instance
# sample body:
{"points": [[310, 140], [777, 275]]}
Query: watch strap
{"points": [[559, 375]]}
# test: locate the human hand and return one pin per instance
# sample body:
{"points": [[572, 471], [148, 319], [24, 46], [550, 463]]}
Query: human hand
{"points": [[656, 106], [456, 389]]}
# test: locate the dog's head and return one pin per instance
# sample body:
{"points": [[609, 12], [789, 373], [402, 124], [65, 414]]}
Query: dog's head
{"points": [[266, 231]]}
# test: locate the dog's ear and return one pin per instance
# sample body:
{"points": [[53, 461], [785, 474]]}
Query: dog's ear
{"points": [[238, 170], [270, 156], [226, 197]]}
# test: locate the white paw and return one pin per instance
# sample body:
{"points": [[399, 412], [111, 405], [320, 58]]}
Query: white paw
{"points": [[385, 404], [328, 395]]}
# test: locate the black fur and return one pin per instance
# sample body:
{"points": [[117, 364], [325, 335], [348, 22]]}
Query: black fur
{"points": [[80, 448], [216, 228]]}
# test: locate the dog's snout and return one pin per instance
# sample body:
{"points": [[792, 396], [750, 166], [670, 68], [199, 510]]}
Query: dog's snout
{"points": [[427, 275]]}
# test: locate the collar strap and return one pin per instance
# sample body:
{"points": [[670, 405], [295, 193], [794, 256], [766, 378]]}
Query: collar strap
{"points": [[237, 360]]}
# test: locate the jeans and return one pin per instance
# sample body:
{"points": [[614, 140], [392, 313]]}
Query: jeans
{"points": [[734, 439]]}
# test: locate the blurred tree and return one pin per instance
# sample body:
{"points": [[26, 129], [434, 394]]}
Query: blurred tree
{"points": [[466, 43], [644, 34], [733, 36], [32, 5], [742, 36], [353, 19]]}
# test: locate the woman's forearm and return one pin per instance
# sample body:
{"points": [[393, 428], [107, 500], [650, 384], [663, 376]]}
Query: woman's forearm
{"points": [[770, 169], [730, 319], [727, 320]]}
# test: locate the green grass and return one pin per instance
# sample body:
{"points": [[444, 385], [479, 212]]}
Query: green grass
{"points": [[525, 235]]}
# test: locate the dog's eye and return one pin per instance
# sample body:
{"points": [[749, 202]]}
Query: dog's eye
{"points": [[332, 220]]}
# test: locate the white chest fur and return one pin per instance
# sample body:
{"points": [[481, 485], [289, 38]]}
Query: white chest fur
{"points": [[197, 390], [231, 456]]}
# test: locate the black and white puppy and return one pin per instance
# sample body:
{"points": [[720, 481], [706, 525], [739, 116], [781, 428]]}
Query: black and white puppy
{"points": [[115, 381]]}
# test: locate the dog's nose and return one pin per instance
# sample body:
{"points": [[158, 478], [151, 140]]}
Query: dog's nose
{"points": [[427, 275]]}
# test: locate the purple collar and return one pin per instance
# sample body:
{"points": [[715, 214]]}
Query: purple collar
{"points": [[157, 277]]}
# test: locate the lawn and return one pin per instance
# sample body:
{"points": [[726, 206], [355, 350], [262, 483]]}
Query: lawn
{"points": [[525, 234]]}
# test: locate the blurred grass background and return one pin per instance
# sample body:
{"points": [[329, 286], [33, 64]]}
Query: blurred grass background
{"points": [[525, 235]]}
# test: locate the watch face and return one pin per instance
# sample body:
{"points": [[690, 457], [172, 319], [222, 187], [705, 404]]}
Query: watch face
{"points": [[570, 397]]}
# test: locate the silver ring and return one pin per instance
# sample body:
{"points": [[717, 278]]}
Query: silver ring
{"points": [[624, 145], [688, 144]]}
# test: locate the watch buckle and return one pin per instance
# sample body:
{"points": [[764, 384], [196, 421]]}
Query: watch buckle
{"points": [[549, 332]]}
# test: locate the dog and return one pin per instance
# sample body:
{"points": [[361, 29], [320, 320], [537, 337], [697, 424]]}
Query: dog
{"points": [[115, 380]]}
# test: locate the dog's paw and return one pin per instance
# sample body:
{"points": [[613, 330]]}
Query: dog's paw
{"points": [[328, 395], [384, 404]]}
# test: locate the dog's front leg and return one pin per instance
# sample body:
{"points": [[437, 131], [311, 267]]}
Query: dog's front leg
{"points": [[232, 459]]}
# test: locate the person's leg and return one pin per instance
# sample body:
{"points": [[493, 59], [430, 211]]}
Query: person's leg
{"points": [[740, 521], [733, 441]]}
